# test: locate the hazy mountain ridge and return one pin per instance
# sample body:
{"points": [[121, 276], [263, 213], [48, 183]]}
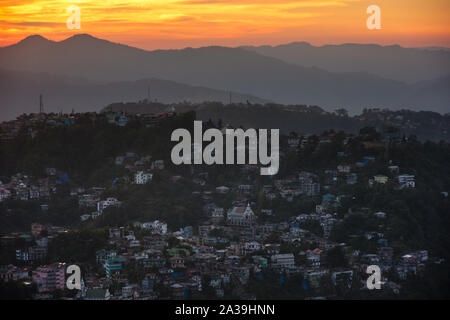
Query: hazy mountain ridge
{"points": [[20, 93], [394, 62], [220, 68]]}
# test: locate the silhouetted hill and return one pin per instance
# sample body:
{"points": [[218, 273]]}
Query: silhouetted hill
{"points": [[303, 119]]}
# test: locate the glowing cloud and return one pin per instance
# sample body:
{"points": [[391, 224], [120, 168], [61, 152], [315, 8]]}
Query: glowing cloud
{"points": [[178, 23]]}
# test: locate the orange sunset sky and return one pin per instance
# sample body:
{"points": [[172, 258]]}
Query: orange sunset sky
{"points": [[153, 24]]}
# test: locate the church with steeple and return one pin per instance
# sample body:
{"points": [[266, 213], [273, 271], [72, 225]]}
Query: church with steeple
{"points": [[241, 216]]}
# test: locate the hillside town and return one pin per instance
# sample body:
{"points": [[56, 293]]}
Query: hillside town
{"points": [[283, 231]]}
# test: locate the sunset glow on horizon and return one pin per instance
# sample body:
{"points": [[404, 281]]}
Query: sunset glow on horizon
{"points": [[163, 24]]}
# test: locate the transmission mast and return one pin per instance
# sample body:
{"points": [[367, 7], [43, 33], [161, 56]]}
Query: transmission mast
{"points": [[41, 104]]}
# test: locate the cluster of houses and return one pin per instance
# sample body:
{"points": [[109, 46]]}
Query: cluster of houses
{"points": [[229, 247], [227, 259], [23, 187], [92, 199], [401, 181]]}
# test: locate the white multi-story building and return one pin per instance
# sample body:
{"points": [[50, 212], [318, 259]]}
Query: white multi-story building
{"points": [[251, 246], [313, 258], [4, 194], [406, 181], [343, 168], [217, 214], [101, 205], [156, 226], [142, 178], [285, 260]]}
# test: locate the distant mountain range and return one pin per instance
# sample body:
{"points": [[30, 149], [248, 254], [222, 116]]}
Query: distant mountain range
{"points": [[86, 72], [393, 62]]}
